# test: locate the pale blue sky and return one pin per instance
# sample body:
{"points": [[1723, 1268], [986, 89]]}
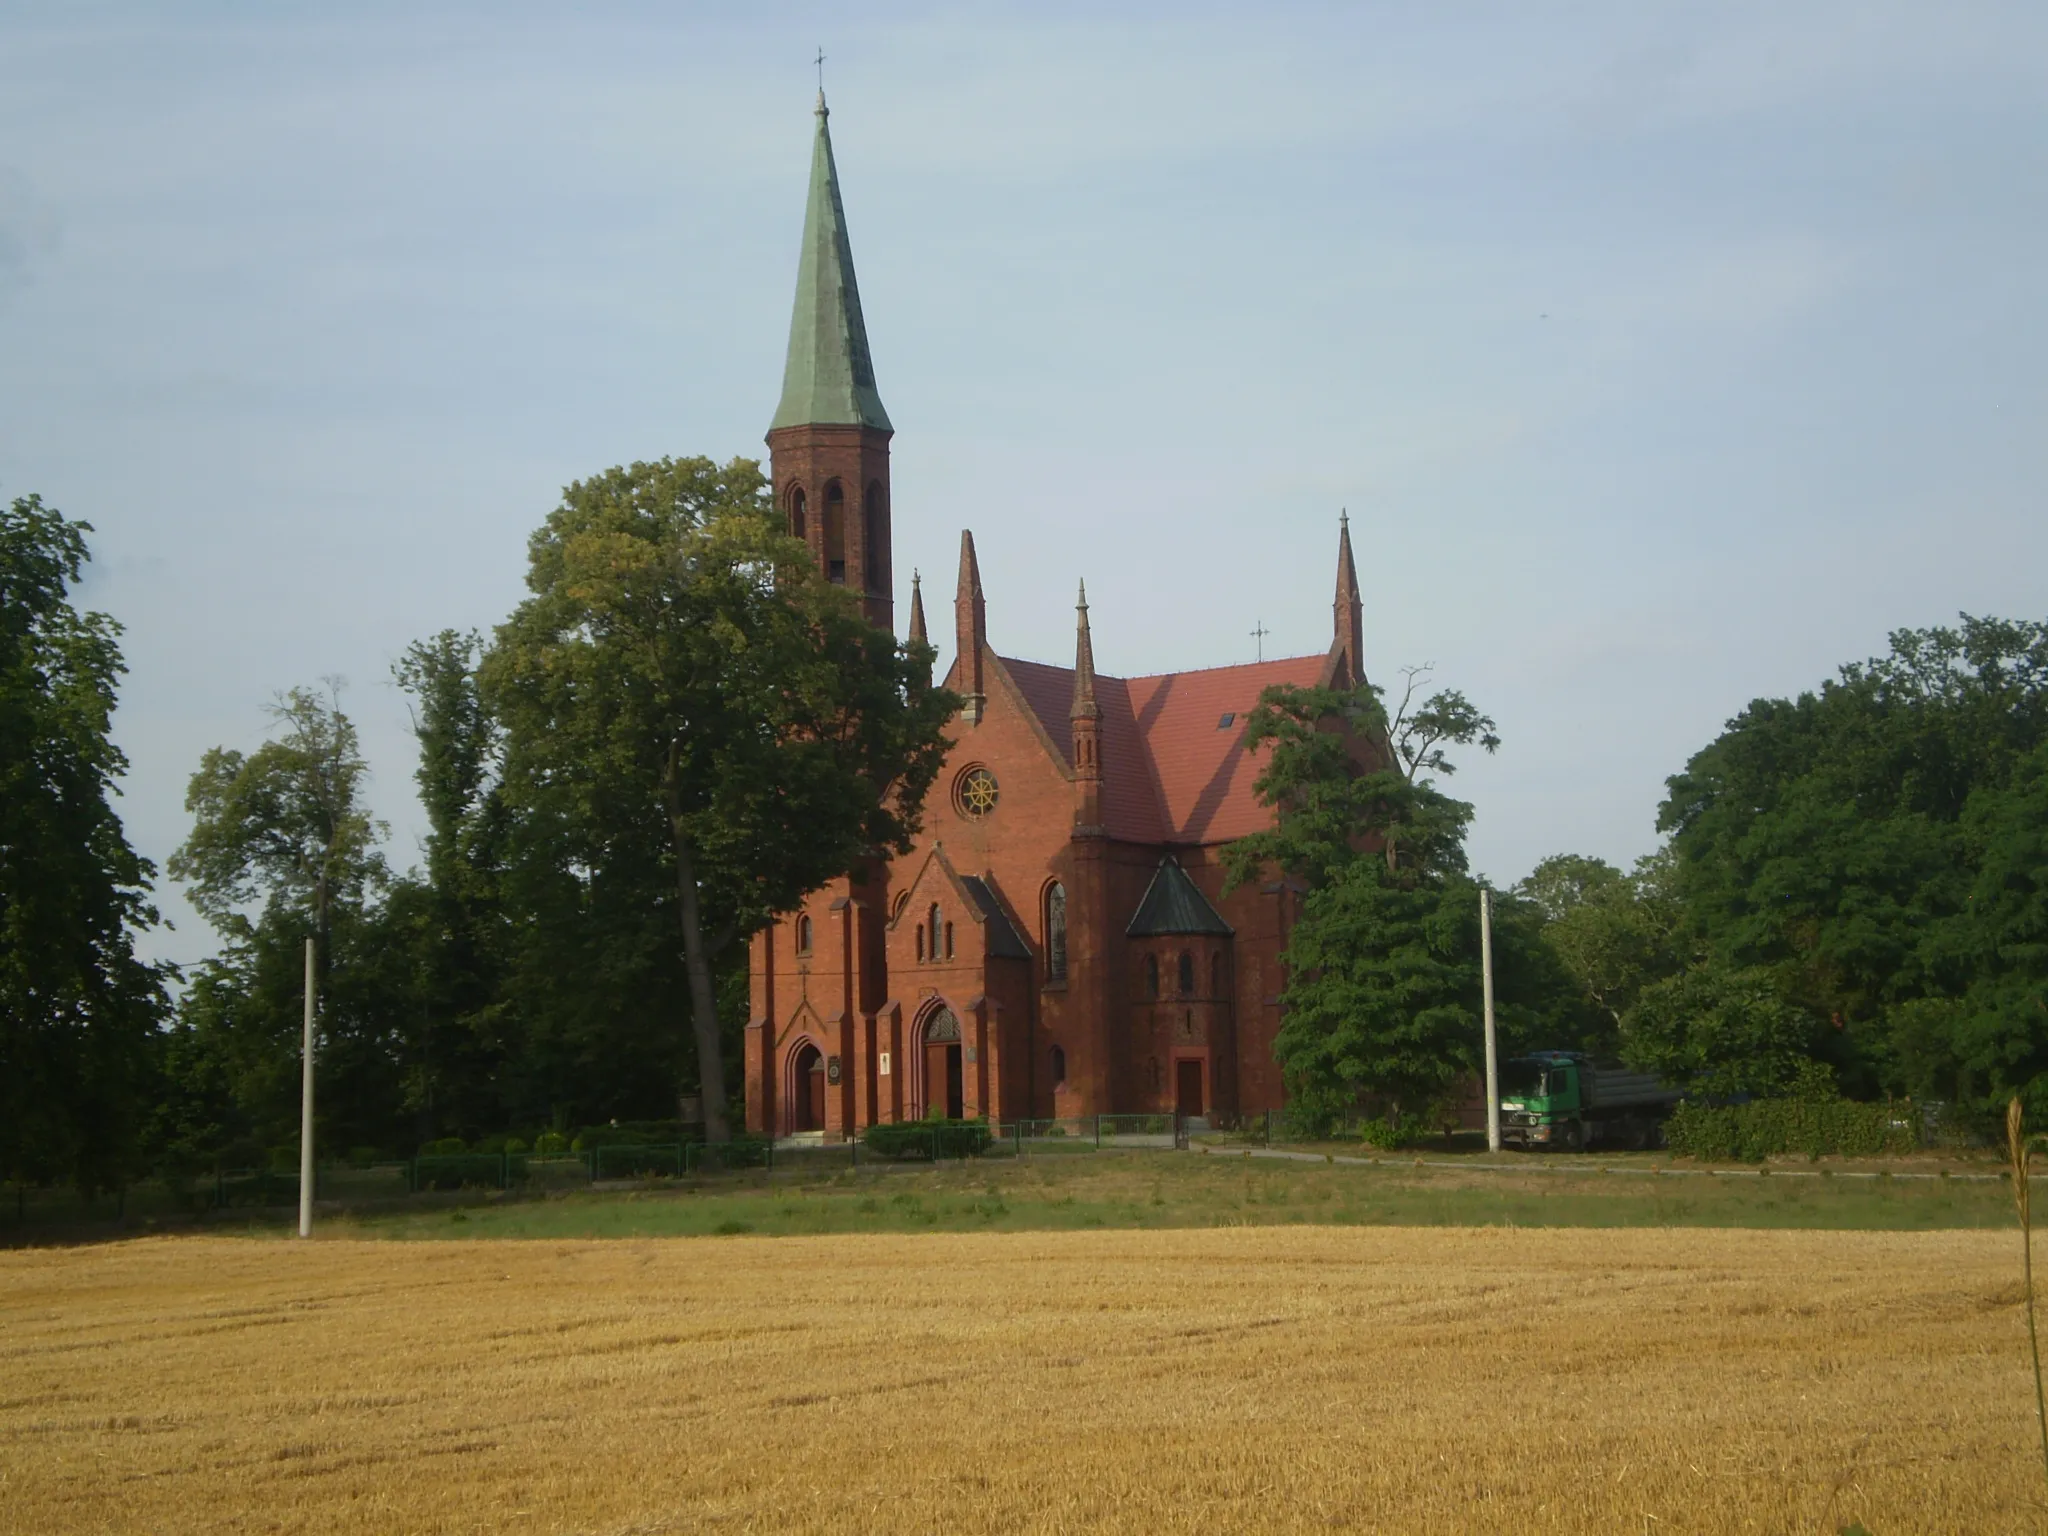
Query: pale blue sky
{"points": [[1666, 356]]}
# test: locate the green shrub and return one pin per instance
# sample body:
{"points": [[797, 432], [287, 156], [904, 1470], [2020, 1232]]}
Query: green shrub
{"points": [[1817, 1127], [362, 1157], [447, 1146], [1391, 1134], [925, 1138], [550, 1144]]}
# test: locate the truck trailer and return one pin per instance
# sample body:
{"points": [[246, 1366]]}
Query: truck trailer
{"points": [[1565, 1099]]}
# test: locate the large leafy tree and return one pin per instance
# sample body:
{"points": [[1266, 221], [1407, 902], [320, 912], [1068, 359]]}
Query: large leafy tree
{"points": [[77, 1007], [1615, 933], [1383, 966], [283, 847], [462, 1046], [684, 695], [1868, 844]]}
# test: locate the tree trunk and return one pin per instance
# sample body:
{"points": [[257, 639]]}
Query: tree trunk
{"points": [[703, 993]]}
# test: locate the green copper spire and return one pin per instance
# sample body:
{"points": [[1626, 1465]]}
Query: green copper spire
{"points": [[829, 379]]}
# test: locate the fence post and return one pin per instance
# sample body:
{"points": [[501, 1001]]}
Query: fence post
{"points": [[771, 1154], [504, 1170], [1018, 1127], [1098, 1133], [856, 1151]]}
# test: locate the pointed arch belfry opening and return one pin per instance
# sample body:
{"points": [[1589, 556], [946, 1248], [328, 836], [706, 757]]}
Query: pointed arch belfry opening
{"points": [[938, 1086]]}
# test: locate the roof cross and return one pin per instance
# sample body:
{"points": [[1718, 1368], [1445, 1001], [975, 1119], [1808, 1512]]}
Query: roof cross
{"points": [[821, 71], [1259, 633]]}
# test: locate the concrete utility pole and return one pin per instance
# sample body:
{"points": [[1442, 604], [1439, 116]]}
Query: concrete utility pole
{"points": [[306, 1108], [1486, 989]]}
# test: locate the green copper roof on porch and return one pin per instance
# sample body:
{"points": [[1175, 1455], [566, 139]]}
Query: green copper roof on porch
{"points": [[829, 379]]}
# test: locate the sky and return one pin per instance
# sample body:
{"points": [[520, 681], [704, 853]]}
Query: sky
{"points": [[1664, 356]]}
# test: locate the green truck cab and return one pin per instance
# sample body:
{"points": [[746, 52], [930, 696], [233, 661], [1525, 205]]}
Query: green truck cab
{"points": [[1565, 1099]]}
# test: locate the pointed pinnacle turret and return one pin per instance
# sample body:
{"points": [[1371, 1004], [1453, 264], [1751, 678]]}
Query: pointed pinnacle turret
{"points": [[1348, 609], [917, 632], [1085, 707], [1086, 721], [970, 631], [829, 378]]}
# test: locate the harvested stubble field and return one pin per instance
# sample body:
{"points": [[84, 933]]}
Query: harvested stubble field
{"points": [[1277, 1378]]}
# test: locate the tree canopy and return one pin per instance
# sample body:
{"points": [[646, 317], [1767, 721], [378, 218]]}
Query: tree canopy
{"points": [[684, 679], [1876, 847], [1383, 988], [77, 1007]]}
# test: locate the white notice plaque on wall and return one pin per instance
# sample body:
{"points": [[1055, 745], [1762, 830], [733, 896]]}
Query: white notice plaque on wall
{"points": [[884, 1067]]}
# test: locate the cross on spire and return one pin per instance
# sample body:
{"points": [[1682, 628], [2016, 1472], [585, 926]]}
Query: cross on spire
{"points": [[1259, 633], [821, 72]]}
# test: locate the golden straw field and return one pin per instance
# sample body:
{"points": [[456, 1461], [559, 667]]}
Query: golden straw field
{"points": [[1234, 1379]]}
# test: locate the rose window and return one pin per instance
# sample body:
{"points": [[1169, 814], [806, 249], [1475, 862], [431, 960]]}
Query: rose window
{"points": [[976, 793]]}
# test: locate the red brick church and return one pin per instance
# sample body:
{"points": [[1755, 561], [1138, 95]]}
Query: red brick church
{"points": [[1058, 943]]}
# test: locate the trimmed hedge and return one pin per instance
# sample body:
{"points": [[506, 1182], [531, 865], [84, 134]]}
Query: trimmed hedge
{"points": [[1777, 1127], [926, 1138]]}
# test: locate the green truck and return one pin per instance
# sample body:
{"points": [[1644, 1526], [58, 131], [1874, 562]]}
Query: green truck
{"points": [[1565, 1099]]}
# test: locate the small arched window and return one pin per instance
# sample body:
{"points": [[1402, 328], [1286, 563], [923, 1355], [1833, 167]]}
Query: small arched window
{"points": [[932, 927], [1059, 1066], [803, 935], [1056, 932], [949, 941], [835, 532], [896, 907], [1216, 976], [1187, 974], [874, 536], [920, 943], [1151, 975], [797, 526]]}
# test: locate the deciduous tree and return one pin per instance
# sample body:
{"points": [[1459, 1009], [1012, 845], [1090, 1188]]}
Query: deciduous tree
{"points": [[684, 679], [77, 1007]]}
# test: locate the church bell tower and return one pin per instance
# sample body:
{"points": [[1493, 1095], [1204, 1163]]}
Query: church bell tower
{"points": [[828, 446]]}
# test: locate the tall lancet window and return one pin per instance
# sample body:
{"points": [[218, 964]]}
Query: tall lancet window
{"points": [[797, 524], [1056, 932]]}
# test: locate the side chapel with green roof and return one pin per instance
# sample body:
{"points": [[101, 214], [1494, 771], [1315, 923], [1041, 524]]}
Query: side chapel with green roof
{"points": [[1058, 943]]}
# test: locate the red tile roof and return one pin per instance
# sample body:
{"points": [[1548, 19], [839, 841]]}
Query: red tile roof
{"points": [[1172, 772]]}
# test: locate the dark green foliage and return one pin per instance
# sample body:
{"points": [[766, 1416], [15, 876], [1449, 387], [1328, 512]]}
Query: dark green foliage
{"points": [[1879, 847], [699, 730], [77, 1008], [1720, 1032], [1814, 1127], [1383, 996], [1615, 934], [928, 1138]]}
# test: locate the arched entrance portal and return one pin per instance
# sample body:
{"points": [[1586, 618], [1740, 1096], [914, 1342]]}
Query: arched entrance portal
{"points": [[807, 1104], [943, 1092]]}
